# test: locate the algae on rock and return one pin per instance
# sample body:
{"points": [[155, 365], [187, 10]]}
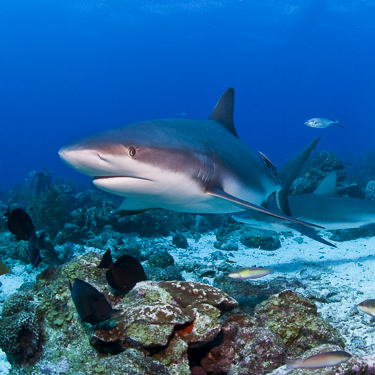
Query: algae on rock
{"points": [[151, 333], [295, 319]]}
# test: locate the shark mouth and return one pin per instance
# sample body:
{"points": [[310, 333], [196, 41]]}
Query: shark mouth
{"points": [[108, 177]]}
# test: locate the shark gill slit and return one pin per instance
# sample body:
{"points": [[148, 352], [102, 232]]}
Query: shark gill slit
{"points": [[206, 168]]}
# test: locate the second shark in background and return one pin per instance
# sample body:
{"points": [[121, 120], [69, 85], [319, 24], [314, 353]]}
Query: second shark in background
{"points": [[325, 207]]}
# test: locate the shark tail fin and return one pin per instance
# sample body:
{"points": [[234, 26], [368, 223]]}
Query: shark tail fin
{"points": [[309, 232], [337, 122], [288, 174]]}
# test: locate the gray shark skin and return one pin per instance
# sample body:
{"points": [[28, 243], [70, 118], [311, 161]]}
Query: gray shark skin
{"points": [[186, 165], [325, 207]]}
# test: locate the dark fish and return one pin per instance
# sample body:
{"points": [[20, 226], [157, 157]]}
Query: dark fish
{"points": [[20, 223], [33, 249], [124, 273], [4, 268], [91, 305], [70, 257], [209, 273]]}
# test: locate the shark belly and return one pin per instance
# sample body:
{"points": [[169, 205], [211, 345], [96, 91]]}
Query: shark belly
{"points": [[172, 191]]}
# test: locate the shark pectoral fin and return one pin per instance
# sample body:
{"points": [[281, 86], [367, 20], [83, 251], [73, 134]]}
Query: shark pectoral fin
{"points": [[132, 206], [309, 232], [288, 174], [217, 192]]}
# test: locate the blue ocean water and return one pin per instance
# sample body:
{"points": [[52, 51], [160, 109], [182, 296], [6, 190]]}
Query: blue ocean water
{"points": [[72, 68]]}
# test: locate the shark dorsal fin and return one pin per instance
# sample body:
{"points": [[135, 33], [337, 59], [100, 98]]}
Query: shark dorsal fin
{"points": [[288, 174], [328, 185], [223, 111]]}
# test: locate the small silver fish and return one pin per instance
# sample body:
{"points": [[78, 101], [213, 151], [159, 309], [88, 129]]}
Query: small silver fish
{"points": [[321, 360], [368, 307], [250, 273], [322, 122]]}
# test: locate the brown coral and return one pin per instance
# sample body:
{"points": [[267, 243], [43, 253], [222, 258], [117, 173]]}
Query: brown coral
{"points": [[247, 349], [296, 321], [20, 337], [152, 311]]}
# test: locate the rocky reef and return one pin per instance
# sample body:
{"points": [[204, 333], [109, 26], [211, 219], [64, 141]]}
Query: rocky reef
{"points": [[315, 169], [156, 324], [207, 326], [165, 327], [21, 332]]}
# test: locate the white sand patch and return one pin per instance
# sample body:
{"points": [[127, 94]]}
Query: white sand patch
{"points": [[340, 277], [337, 279], [4, 364], [11, 282]]}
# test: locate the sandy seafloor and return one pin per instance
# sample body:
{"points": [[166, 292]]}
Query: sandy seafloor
{"points": [[345, 276]]}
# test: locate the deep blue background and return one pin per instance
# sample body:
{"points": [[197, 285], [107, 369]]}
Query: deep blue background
{"points": [[72, 68]]}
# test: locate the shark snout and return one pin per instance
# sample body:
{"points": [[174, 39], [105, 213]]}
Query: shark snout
{"points": [[84, 161], [70, 156], [66, 155], [98, 161]]}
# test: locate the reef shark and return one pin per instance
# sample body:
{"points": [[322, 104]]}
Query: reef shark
{"points": [[186, 165], [325, 207]]}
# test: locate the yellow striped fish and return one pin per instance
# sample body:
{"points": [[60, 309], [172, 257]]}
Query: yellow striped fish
{"points": [[250, 273]]}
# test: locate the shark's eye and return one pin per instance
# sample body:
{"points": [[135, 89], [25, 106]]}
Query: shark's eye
{"points": [[131, 151]]}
